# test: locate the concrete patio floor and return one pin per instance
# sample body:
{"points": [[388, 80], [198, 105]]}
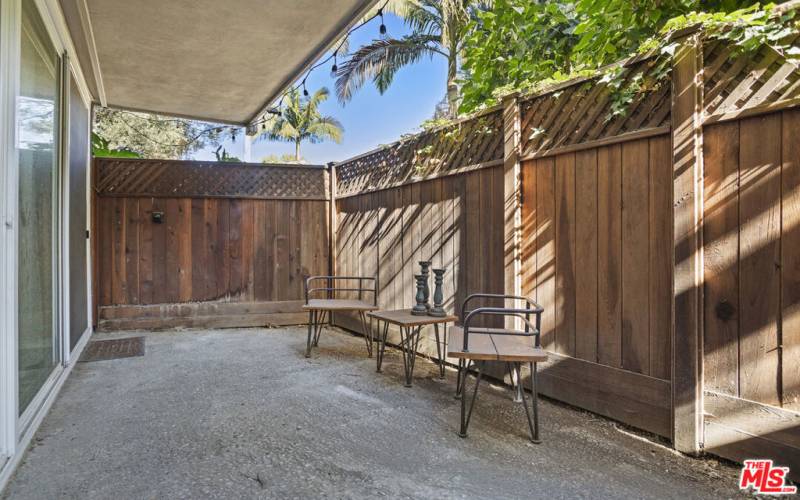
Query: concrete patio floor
{"points": [[242, 414]]}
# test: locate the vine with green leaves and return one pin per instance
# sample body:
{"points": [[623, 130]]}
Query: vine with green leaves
{"points": [[523, 46]]}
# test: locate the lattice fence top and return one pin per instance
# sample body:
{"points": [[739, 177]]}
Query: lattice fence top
{"points": [[736, 82], [169, 178], [584, 111], [467, 143]]}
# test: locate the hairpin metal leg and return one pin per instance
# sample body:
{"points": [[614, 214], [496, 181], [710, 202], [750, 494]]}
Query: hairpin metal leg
{"points": [[367, 330], [319, 323], [535, 397], [311, 331], [467, 415], [409, 342], [382, 345], [463, 368], [439, 348]]}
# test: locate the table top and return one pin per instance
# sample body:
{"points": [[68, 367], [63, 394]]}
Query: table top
{"points": [[403, 317]]}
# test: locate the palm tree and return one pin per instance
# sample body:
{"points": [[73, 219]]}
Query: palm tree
{"points": [[438, 28], [301, 121]]}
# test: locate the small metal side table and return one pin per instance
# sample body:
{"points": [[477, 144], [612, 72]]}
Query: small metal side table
{"points": [[410, 329]]}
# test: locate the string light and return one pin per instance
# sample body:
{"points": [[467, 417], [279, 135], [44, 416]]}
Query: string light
{"points": [[334, 68], [382, 29], [333, 56]]}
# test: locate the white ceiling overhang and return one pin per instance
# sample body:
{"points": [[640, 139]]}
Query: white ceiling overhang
{"points": [[216, 60]]}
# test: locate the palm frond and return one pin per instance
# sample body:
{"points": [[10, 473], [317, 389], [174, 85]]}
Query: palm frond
{"points": [[379, 61], [325, 127]]}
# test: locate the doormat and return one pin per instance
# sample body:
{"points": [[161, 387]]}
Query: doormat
{"points": [[103, 350]]}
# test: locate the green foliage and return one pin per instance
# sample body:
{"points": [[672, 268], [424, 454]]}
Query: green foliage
{"points": [[523, 45], [101, 148], [275, 159], [517, 42], [222, 155], [154, 136], [302, 121]]}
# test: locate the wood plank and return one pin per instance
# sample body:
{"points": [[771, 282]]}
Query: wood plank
{"points": [[200, 308], [146, 255], [105, 242], [172, 268], [660, 257], [131, 285], [517, 349], [721, 258], [184, 231], [480, 347], [294, 287], [159, 252], [565, 254], [408, 264], [222, 259], [202, 315], [262, 250], [437, 221], [635, 257], [687, 162], [235, 229], [790, 263], [631, 398], [199, 251], [528, 269], [248, 243], [759, 251], [213, 263], [609, 256], [496, 277], [586, 281], [281, 263], [546, 251], [459, 242], [738, 429]]}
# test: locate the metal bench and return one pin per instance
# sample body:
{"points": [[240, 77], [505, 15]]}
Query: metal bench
{"points": [[320, 309], [475, 345]]}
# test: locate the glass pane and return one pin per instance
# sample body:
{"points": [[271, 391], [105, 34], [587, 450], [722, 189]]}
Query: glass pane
{"points": [[37, 112]]}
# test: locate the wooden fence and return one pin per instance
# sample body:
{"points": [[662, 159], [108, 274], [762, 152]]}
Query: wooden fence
{"points": [[231, 247], [660, 238], [669, 308], [452, 216]]}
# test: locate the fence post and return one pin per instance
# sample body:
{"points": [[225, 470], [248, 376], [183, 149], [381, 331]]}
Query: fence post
{"points": [[687, 324], [331, 224], [512, 201]]}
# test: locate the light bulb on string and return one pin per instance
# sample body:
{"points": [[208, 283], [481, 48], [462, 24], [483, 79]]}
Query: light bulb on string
{"points": [[382, 29], [334, 67]]}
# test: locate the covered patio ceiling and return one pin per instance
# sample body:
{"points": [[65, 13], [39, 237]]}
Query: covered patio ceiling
{"points": [[222, 61]]}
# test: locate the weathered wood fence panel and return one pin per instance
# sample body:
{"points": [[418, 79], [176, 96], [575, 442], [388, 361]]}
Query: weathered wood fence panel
{"points": [[245, 243], [752, 287], [597, 231], [433, 200]]}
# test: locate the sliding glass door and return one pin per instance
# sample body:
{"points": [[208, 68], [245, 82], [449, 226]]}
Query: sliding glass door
{"points": [[38, 118]]}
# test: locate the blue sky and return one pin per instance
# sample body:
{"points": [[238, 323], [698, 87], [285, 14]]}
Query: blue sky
{"points": [[369, 119]]}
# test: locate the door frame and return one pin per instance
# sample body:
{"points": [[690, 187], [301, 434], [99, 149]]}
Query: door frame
{"points": [[10, 16]]}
